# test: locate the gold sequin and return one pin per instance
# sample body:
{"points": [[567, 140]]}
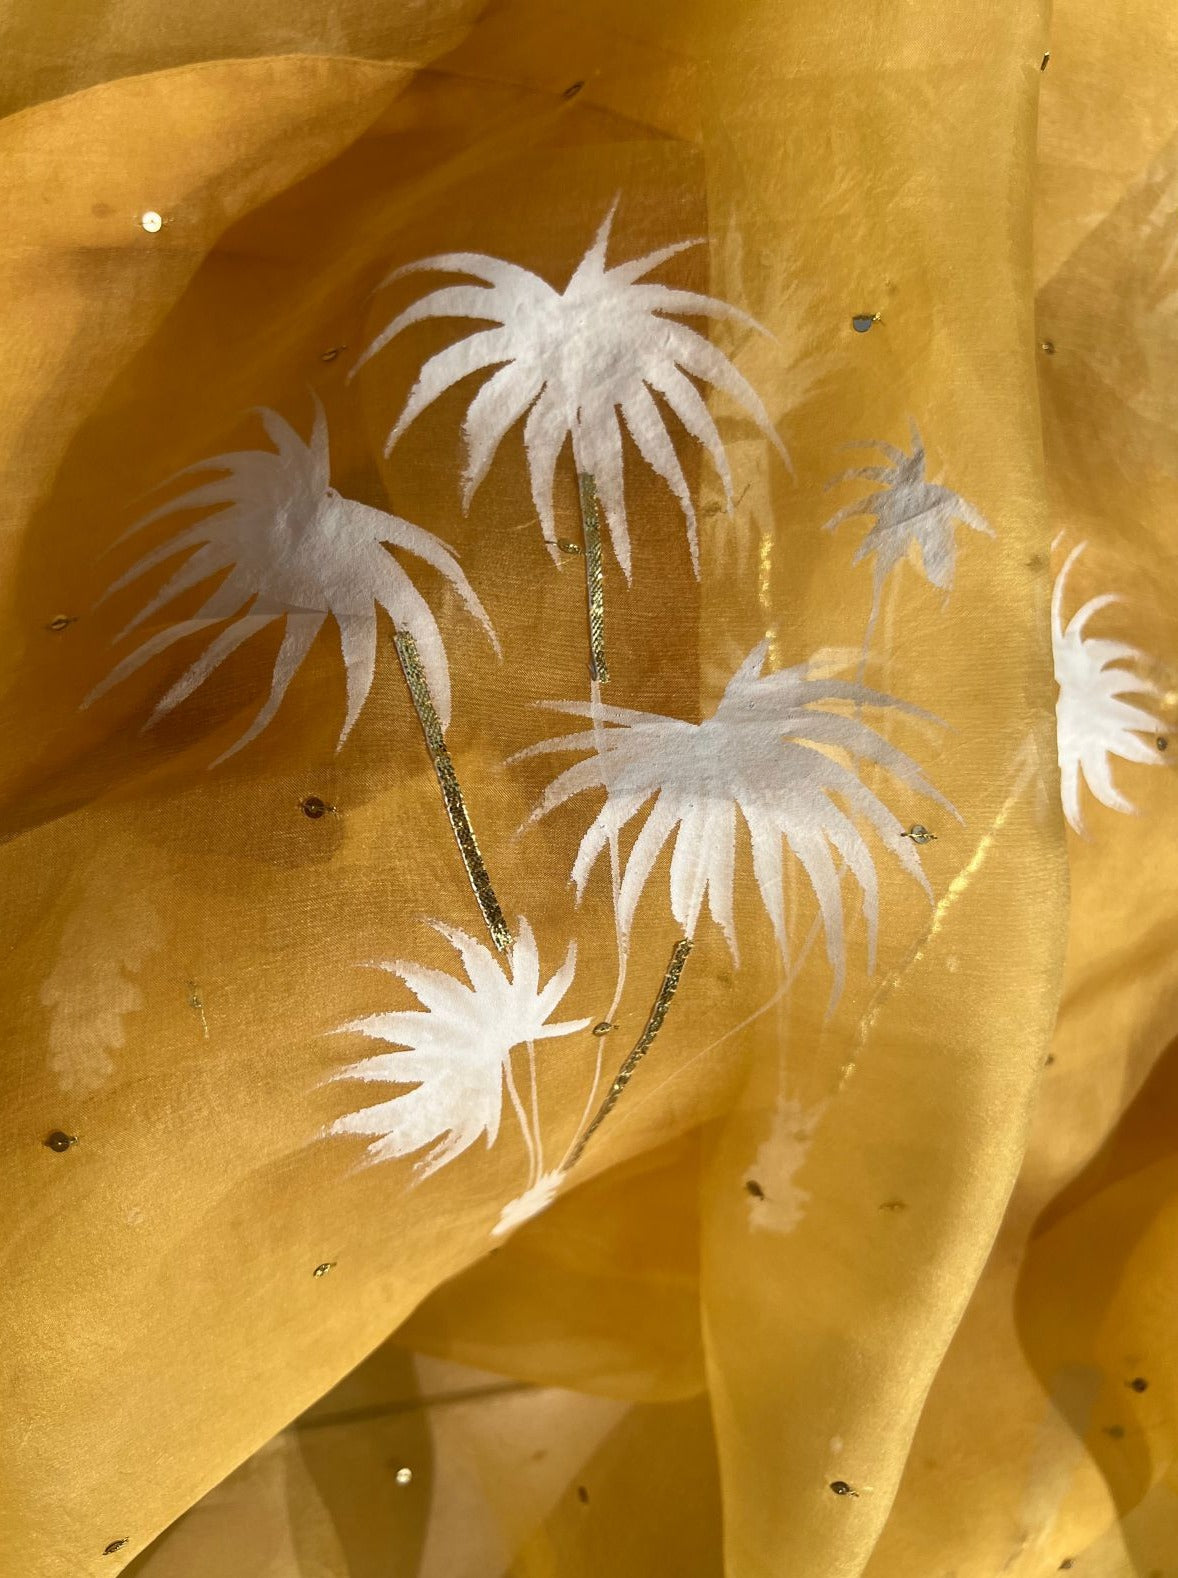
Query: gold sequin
{"points": [[653, 1025], [919, 834], [451, 792], [591, 524]]}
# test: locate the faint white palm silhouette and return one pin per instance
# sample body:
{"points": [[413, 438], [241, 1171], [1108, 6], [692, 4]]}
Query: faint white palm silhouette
{"points": [[580, 363], [456, 1051], [909, 511], [1093, 723], [771, 751], [295, 550]]}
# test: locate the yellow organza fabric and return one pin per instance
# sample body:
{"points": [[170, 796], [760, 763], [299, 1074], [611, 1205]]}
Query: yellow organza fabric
{"points": [[871, 1282]]}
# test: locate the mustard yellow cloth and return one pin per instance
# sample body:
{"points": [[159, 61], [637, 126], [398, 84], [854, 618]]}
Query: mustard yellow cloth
{"points": [[468, 1116]]}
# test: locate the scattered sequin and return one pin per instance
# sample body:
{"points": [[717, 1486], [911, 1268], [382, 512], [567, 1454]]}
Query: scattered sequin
{"points": [[314, 807], [330, 356], [862, 321], [841, 1488], [1162, 743], [893, 1205], [583, 1494], [1138, 1384], [324, 1268], [603, 1027], [60, 1141], [1047, 347], [566, 546], [572, 90], [115, 1545], [61, 621], [919, 834], [1045, 62], [404, 1476], [151, 221], [754, 1188]]}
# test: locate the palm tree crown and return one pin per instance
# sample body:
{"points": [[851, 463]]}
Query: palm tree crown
{"points": [[770, 750], [456, 1049], [294, 548], [575, 361], [1093, 723], [908, 509]]}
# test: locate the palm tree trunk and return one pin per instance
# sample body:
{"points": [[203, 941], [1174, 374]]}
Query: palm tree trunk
{"points": [[594, 589], [869, 632], [639, 1050], [468, 844]]}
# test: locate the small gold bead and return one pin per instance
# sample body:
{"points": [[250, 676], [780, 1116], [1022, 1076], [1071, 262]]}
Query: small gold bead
{"points": [[324, 1268]]}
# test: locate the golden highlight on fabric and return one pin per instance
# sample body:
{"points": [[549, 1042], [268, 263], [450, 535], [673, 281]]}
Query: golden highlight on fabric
{"points": [[468, 844]]}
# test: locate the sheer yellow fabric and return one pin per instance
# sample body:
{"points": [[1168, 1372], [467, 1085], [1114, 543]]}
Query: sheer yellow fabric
{"points": [[867, 1267]]}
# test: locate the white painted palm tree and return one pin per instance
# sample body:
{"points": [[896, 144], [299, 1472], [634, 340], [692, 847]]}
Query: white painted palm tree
{"points": [[457, 1052], [296, 550], [581, 364], [909, 512], [1093, 721], [775, 749]]}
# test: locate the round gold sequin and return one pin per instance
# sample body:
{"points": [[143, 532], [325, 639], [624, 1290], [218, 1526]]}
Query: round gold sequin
{"points": [[572, 90], [322, 1269], [862, 321], [404, 1476], [115, 1545], [151, 221], [330, 356], [566, 546], [754, 1188], [1047, 347], [603, 1027], [61, 621], [841, 1488], [314, 807], [919, 834], [1138, 1384], [1162, 743], [60, 1142]]}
